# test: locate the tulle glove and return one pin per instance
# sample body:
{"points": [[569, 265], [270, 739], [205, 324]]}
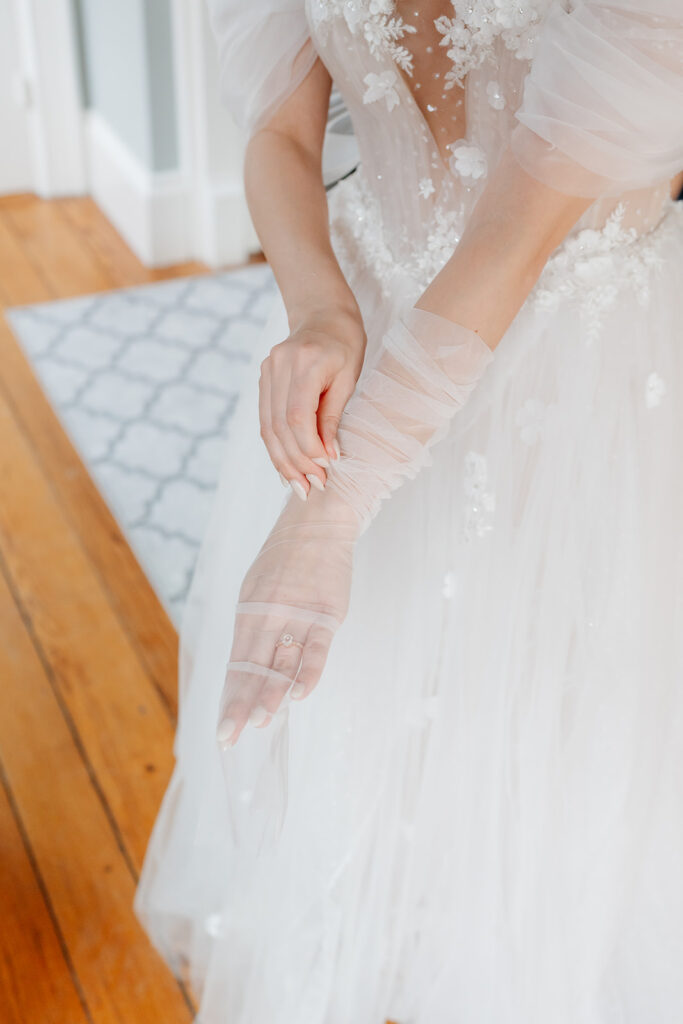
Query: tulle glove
{"points": [[296, 593], [425, 371], [292, 600]]}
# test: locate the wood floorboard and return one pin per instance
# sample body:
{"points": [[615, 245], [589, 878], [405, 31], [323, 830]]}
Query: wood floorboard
{"points": [[20, 281], [107, 246], [123, 724], [56, 250], [73, 845], [137, 607], [30, 943], [88, 674]]}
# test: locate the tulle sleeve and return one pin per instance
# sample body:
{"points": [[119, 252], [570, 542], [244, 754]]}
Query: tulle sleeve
{"points": [[265, 52], [602, 110]]}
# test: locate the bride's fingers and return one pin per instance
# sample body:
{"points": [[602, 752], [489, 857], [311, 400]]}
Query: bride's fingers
{"points": [[241, 695], [281, 417], [313, 660], [278, 456], [246, 674], [302, 405], [286, 662]]}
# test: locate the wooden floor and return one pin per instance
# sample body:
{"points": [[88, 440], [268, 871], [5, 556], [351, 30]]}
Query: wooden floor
{"points": [[87, 676]]}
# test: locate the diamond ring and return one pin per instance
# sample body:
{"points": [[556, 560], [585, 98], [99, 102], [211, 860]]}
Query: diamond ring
{"points": [[287, 640]]}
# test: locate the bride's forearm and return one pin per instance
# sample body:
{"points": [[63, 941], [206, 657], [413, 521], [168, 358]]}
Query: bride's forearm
{"points": [[288, 205], [515, 226]]}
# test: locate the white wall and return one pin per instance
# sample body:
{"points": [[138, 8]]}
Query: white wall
{"points": [[142, 129], [128, 65], [16, 169]]}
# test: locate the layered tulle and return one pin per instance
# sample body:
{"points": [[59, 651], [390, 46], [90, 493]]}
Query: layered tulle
{"points": [[476, 815], [422, 375], [601, 110], [264, 53]]}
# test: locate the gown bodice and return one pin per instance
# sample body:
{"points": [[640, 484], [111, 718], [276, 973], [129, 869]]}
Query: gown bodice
{"points": [[432, 87]]}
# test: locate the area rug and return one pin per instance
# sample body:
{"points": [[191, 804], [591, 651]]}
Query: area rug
{"points": [[145, 381]]}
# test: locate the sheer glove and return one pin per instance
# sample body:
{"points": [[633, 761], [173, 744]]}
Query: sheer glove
{"points": [[296, 593]]}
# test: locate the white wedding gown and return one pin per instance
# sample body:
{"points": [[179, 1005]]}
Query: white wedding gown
{"points": [[477, 817]]}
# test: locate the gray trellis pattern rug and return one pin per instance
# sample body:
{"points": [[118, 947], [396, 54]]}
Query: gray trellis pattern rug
{"points": [[145, 381]]}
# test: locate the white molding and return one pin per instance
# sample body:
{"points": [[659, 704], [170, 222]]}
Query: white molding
{"points": [[198, 211], [164, 218], [151, 210], [50, 59]]}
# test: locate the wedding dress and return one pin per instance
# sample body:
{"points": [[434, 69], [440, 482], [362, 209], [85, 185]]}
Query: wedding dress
{"points": [[477, 816]]}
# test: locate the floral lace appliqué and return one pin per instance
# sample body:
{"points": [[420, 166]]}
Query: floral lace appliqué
{"points": [[381, 87], [470, 34], [593, 267], [376, 21], [476, 25], [360, 239]]}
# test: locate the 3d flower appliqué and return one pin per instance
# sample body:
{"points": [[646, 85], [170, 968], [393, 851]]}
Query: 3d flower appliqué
{"points": [[655, 389], [381, 87], [426, 188], [531, 420], [468, 161]]}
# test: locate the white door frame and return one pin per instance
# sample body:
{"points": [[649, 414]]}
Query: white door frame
{"points": [[50, 61], [211, 145]]}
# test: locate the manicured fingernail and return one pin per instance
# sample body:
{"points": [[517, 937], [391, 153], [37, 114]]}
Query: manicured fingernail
{"points": [[283, 480], [297, 691], [258, 716], [315, 481], [323, 463], [337, 449], [225, 731], [298, 489]]}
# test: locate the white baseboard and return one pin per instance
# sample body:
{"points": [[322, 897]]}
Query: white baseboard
{"points": [[165, 217], [150, 210], [228, 235]]}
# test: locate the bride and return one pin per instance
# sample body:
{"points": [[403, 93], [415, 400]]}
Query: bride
{"points": [[467, 806]]}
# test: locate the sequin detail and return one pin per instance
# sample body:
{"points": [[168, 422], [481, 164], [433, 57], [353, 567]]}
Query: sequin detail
{"points": [[480, 501], [495, 96], [359, 238]]}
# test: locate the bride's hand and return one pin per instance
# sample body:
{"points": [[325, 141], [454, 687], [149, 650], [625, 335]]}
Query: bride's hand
{"points": [[305, 383], [297, 588]]}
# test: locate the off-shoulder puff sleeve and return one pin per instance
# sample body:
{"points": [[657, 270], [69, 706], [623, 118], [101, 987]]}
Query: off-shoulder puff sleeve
{"points": [[264, 51], [602, 109]]}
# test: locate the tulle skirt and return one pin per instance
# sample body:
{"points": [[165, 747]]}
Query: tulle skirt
{"points": [[477, 816]]}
